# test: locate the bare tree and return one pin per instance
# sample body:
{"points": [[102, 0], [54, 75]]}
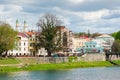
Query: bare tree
{"points": [[50, 35]]}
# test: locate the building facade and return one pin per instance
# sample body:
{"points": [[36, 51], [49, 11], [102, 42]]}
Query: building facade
{"points": [[106, 41], [21, 48]]}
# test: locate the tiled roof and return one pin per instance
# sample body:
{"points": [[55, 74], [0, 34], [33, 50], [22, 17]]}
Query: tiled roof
{"points": [[105, 35], [23, 34], [31, 33], [84, 37]]}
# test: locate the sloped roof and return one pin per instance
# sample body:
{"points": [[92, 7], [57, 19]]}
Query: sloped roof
{"points": [[23, 34], [105, 35], [31, 33], [84, 37]]}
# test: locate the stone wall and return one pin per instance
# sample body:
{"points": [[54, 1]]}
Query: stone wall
{"points": [[114, 57], [92, 57], [86, 57], [40, 60]]}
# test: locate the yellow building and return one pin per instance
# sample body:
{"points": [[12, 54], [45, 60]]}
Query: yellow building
{"points": [[32, 42]]}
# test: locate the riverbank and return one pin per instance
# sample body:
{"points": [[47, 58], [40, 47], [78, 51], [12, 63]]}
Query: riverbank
{"points": [[15, 65]]}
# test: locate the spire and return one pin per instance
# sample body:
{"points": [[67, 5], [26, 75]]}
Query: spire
{"points": [[88, 33], [25, 25], [17, 24]]}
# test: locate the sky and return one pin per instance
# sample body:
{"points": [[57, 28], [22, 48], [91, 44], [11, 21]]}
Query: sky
{"points": [[102, 16]]}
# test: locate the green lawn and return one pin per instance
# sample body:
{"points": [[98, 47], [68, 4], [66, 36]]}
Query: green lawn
{"points": [[50, 66], [68, 65], [117, 62], [9, 61]]}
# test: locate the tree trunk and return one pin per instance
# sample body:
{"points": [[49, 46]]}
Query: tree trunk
{"points": [[6, 54], [49, 53]]}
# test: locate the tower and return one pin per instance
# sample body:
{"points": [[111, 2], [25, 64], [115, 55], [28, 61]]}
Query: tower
{"points": [[88, 33], [25, 26], [17, 24]]}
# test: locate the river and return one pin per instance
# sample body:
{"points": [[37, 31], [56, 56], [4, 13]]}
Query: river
{"points": [[103, 73]]}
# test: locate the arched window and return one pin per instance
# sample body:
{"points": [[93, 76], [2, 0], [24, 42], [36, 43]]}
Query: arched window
{"points": [[65, 39]]}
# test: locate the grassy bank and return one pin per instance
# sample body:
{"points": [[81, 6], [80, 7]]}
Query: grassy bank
{"points": [[68, 65], [9, 61], [52, 66], [117, 62]]}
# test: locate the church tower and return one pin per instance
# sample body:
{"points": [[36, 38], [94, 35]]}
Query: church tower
{"points": [[17, 24], [88, 33], [25, 26]]}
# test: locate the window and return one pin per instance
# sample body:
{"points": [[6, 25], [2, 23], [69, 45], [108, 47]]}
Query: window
{"points": [[33, 39], [19, 49], [30, 44], [65, 39], [19, 43], [24, 43], [24, 49], [90, 45]]}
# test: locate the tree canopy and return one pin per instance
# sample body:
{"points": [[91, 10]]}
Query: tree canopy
{"points": [[116, 46], [116, 35], [50, 35], [7, 38]]}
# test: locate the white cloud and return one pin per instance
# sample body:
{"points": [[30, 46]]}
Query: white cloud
{"points": [[65, 20], [75, 14], [79, 1], [93, 15], [76, 1], [7, 9], [23, 2], [85, 15]]}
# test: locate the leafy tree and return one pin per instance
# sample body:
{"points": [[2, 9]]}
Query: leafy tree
{"points": [[116, 46], [95, 35], [50, 36], [117, 36], [7, 38], [81, 34], [114, 34]]}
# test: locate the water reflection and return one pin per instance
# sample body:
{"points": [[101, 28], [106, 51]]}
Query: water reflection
{"points": [[110, 73]]}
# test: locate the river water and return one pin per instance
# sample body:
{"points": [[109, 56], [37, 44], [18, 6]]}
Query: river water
{"points": [[103, 73]]}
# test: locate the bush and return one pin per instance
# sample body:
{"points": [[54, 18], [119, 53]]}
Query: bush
{"points": [[72, 58]]}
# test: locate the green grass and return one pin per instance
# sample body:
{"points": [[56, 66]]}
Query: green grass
{"points": [[117, 62], [51, 66], [68, 65], [9, 61], [9, 69]]}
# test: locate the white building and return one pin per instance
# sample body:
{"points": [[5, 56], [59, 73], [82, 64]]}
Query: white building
{"points": [[21, 48], [42, 52], [105, 41]]}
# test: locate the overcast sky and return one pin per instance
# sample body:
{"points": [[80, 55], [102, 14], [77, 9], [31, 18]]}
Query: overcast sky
{"points": [[101, 16]]}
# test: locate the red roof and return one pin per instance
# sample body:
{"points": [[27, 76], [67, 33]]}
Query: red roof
{"points": [[61, 27], [31, 33], [84, 37], [22, 34]]}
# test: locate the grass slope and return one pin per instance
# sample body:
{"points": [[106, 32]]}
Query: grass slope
{"points": [[51, 66], [9, 61]]}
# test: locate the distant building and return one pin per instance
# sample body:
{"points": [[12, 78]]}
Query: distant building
{"points": [[106, 41], [93, 47], [66, 39], [79, 42]]}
